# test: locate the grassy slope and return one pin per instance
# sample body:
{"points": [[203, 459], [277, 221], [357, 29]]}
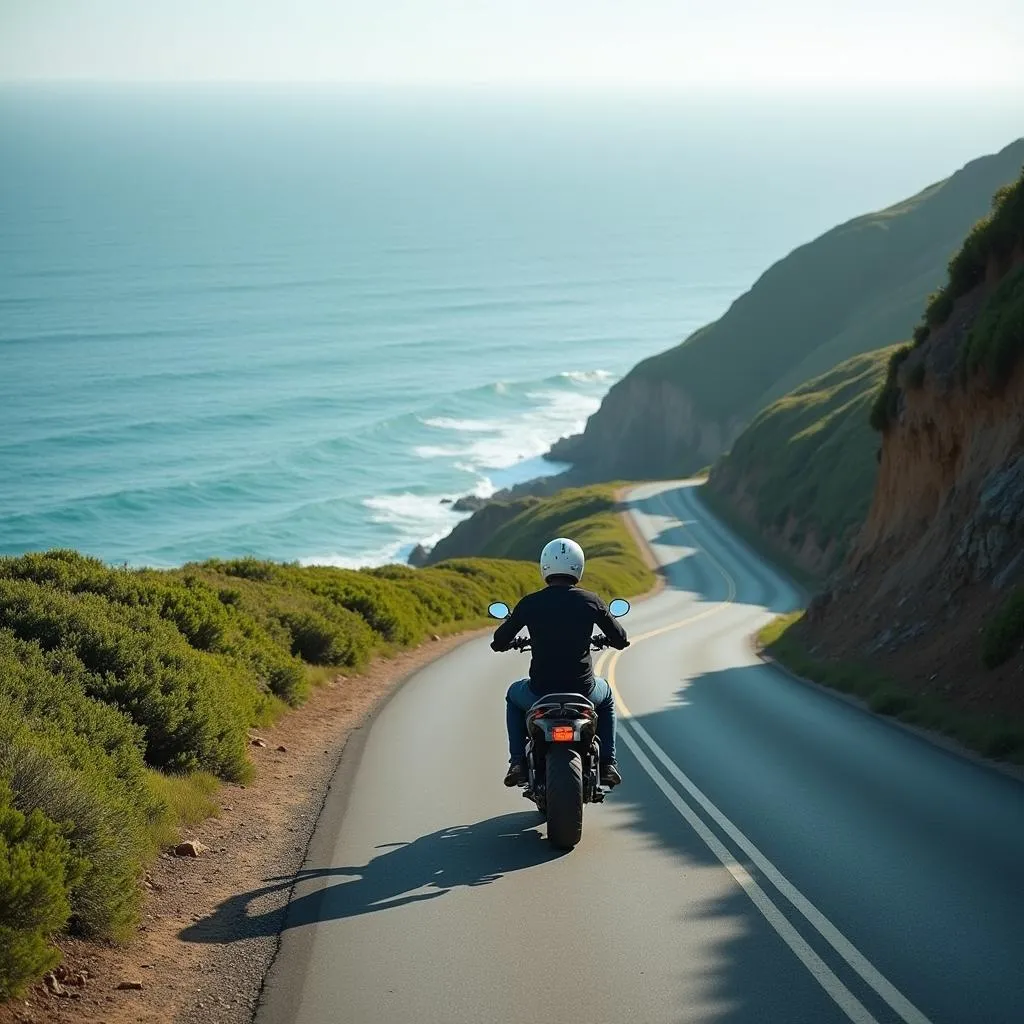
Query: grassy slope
{"points": [[876, 269], [520, 528], [988, 735], [125, 694], [856, 288], [810, 456]]}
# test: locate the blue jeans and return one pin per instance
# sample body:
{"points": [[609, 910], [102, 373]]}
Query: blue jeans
{"points": [[520, 698]]}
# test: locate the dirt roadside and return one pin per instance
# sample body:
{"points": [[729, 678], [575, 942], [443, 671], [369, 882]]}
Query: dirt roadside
{"points": [[213, 972]]}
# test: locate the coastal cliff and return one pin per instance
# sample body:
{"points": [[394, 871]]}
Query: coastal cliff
{"points": [[934, 587], [855, 289]]}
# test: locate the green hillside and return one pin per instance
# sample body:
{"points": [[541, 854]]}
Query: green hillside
{"points": [[518, 529], [805, 468], [856, 288]]}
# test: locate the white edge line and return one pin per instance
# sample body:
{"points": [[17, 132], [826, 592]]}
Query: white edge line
{"points": [[819, 970], [853, 957]]}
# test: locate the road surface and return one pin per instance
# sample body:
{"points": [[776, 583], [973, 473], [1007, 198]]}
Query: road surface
{"points": [[774, 855]]}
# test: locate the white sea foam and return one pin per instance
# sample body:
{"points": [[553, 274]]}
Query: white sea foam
{"points": [[587, 376], [501, 444], [494, 452], [466, 426], [367, 559]]}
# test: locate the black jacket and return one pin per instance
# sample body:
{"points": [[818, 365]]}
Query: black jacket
{"points": [[561, 622]]}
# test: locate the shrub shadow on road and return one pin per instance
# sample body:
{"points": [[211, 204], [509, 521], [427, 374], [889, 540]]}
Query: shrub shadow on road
{"points": [[402, 873]]}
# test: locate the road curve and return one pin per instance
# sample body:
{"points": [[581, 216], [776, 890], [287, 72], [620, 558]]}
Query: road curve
{"points": [[774, 855]]}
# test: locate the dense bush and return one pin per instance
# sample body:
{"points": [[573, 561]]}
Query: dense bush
{"points": [[1004, 632], [194, 707], [992, 242], [994, 239], [997, 337], [79, 761], [37, 868], [886, 403]]}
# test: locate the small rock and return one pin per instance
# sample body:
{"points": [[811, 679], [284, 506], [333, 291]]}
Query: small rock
{"points": [[282, 749], [130, 986], [53, 986], [434, 637], [469, 503], [190, 848], [258, 742]]}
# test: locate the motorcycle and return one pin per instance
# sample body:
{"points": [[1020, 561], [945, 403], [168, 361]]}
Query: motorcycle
{"points": [[563, 752]]}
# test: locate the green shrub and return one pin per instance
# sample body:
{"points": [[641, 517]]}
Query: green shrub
{"points": [[992, 241], [1004, 632], [886, 403], [37, 868], [321, 642], [997, 337], [193, 708], [939, 306], [106, 830]]}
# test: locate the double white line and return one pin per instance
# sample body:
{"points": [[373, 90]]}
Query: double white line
{"points": [[636, 738]]}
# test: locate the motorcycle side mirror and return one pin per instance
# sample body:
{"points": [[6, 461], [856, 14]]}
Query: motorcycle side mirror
{"points": [[619, 607], [498, 610]]}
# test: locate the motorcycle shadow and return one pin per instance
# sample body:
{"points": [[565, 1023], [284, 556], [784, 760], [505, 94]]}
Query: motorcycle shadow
{"points": [[450, 858]]}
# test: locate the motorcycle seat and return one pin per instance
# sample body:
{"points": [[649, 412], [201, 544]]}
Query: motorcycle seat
{"points": [[562, 698]]}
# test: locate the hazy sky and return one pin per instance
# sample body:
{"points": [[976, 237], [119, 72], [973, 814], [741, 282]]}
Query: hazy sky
{"points": [[710, 43]]}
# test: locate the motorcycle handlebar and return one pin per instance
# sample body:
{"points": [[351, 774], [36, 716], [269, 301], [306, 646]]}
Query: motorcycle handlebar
{"points": [[597, 643]]}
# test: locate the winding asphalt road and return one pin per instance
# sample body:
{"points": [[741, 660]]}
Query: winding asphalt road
{"points": [[774, 855]]}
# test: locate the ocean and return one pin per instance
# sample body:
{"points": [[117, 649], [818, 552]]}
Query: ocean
{"points": [[295, 323]]}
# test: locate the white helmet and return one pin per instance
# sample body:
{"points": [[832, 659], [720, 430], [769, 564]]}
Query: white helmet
{"points": [[562, 557]]}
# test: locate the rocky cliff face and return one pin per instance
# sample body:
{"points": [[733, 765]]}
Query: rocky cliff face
{"points": [[950, 492], [643, 427]]}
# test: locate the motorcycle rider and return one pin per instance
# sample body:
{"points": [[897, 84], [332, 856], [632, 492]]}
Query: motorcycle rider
{"points": [[560, 620]]}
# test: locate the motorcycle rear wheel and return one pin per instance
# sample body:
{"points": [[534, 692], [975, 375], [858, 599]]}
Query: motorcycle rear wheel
{"points": [[564, 797]]}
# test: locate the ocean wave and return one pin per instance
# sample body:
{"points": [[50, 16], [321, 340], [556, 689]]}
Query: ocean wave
{"points": [[396, 552], [467, 426], [587, 376], [480, 445]]}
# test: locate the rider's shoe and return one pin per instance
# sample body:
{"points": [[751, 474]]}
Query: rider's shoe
{"points": [[516, 774], [610, 774]]}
